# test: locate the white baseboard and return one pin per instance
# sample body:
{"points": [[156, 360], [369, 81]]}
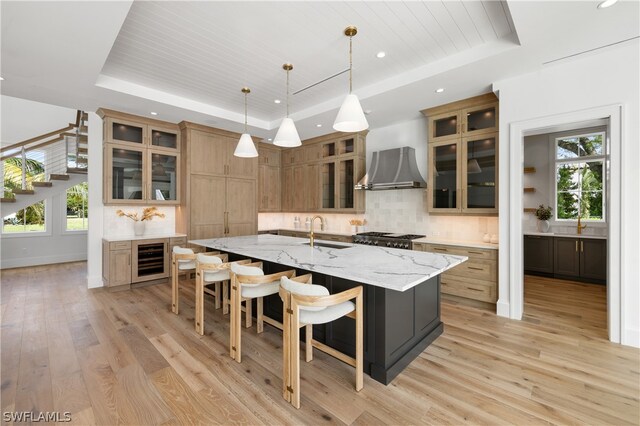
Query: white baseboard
{"points": [[631, 337], [94, 281], [42, 260], [502, 308]]}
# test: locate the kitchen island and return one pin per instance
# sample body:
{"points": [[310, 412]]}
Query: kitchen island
{"points": [[401, 292]]}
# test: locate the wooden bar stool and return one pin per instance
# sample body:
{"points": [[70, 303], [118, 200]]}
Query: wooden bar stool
{"points": [[183, 260], [306, 304], [249, 282], [212, 270]]}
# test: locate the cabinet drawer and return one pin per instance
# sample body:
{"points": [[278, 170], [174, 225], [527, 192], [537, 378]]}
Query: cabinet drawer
{"points": [[178, 241], [470, 252], [120, 245], [477, 269], [470, 288]]}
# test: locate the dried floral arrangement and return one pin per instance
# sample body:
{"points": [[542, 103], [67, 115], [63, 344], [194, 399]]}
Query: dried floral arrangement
{"points": [[147, 214], [543, 213], [357, 222]]}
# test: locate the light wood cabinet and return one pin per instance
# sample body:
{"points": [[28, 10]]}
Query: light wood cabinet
{"points": [[150, 259], [463, 157], [141, 160], [116, 263], [221, 191], [269, 178], [137, 261], [475, 279]]}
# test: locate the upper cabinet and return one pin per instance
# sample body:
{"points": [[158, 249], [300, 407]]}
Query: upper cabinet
{"points": [[463, 156], [141, 160]]}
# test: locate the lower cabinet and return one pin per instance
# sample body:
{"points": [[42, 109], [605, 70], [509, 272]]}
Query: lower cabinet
{"points": [[475, 279], [136, 261], [317, 235], [581, 259]]}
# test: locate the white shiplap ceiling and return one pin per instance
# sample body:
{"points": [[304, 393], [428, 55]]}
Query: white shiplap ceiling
{"points": [[208, 51]]}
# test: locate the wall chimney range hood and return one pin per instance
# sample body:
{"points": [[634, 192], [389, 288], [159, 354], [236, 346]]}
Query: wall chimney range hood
{"points": [[392, 169]]}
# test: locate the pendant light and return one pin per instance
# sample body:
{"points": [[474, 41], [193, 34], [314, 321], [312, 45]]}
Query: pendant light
{"points": [[350, 117], [472, 165], [287, 135], [245, 147]]}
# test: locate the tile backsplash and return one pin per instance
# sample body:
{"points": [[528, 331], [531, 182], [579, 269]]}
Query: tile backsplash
{"points": [[334, 222], [115, 226]]}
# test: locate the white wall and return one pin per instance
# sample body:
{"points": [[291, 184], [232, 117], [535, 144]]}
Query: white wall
{"points": [[609, 77], [22, 119], [96, 227], [536, 154]]}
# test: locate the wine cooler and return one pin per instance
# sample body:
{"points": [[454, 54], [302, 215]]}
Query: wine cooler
{"points": [[151, 260]]}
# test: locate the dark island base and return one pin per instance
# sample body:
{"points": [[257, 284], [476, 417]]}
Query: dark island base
{"points": [[398, 326]]}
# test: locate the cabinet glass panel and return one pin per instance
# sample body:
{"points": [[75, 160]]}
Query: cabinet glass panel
{"points": [[481, 119], [150, 259], [127, 132], [346, 146], [126, 172], [445, 180], [446, 126], [163, 177], [346, 184], [328, 185], [481, 173], [164, 139], [328, 150]]}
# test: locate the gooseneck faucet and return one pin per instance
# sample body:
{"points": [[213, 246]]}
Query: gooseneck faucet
{"points": [[313, 219], [580, 226]]}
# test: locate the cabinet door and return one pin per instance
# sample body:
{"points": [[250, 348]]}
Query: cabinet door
{"points": [[313, 152], [239, 166], [346, 179], [163, 138], [127, 132], [480, 119], [163, 177], [149, 259], [480, 174], [207, 154], [207, 206], [287, 189], [312, 187], [566, 257], [119, 267], [125, 169], [329, 188], [269, 189], [444, 177], [298, 186], [593, 259], [444, 126], [538, 254], [242, 210], [268, 155]]}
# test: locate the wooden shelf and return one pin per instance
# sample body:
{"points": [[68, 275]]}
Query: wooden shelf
{"points": [[529, 169], [529, 210], [529, 190]]}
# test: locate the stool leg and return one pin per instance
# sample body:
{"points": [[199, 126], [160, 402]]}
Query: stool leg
{"points": [[175, 303], [308, 350], [286, 350], [359, 343], [199, 320], [217, 295], [249, 313], [225, 297], [260, 320], [295, 357], [233, 324]]}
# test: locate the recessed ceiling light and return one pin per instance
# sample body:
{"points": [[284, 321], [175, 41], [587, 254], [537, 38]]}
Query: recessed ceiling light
{"points": [[1, 79], [318, 125], [380, 54], [153, 113], [277, 101], [367, 111], [440, 90], [607, 3], [270, 139]]}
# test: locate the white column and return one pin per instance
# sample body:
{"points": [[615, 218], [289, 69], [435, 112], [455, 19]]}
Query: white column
{"points": [[94, 177]]}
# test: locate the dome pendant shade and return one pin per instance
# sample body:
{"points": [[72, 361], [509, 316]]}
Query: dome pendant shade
{"points": [[473, 166], [287, 135], [351, 117], [245, 147]]}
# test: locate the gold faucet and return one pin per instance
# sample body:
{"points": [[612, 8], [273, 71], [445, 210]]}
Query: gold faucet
{"points": [[580, 226], [311, 238]]}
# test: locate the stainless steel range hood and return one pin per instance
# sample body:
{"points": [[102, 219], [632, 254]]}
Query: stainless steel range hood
{"points": [[392, 169]]}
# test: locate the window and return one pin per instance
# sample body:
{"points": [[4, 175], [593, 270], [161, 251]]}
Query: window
{"points": [[30, 219], [580, 174], [77, 208]]}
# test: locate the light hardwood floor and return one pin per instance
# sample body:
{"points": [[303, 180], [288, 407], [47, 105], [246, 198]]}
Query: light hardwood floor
{"points": [[125, 358]]}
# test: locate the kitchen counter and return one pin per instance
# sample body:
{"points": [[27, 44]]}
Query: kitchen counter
{"points": [[401, 293], [459, 243], [315, 231], [553, 234], [393, 269], [142, 237]]}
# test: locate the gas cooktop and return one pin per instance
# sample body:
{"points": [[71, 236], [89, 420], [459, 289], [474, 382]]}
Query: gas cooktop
{"points": [[386, 239]]}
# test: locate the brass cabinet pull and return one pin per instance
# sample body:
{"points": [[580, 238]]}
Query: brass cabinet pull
{"points": [[475, 252], [440, 249], [582, 246], [576, 246], [474, 268]]}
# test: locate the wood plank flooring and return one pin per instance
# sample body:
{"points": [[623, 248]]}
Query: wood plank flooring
{"points": [[110, 358]]}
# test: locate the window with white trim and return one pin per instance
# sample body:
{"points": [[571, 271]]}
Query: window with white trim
{"points": [[77, 208], [580, 177], [27, 220]]}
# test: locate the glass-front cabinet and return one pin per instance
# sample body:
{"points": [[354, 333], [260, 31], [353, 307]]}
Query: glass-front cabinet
{"points": [[125, 167], [444, 176], [164, 176], [444, 126], [480, 119], [479, 180], [328, 185], [141, 133]]}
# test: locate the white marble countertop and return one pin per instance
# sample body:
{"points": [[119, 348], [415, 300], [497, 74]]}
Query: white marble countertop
{"points": [[389, 268], [141, 237], [555, 234], [459, 243]]}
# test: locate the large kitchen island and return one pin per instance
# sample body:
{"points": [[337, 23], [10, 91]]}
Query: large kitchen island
{"points": [[401, 292]]}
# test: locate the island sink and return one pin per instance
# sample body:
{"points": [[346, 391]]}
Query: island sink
{"points": [[327, 245]]}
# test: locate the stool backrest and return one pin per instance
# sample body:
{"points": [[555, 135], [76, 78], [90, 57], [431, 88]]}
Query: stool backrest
{"points": [[208, 259], [301, 289]]}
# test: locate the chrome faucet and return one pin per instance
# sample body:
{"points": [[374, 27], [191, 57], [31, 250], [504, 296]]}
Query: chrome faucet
{"points": [[313, 219], [580, 226]]}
